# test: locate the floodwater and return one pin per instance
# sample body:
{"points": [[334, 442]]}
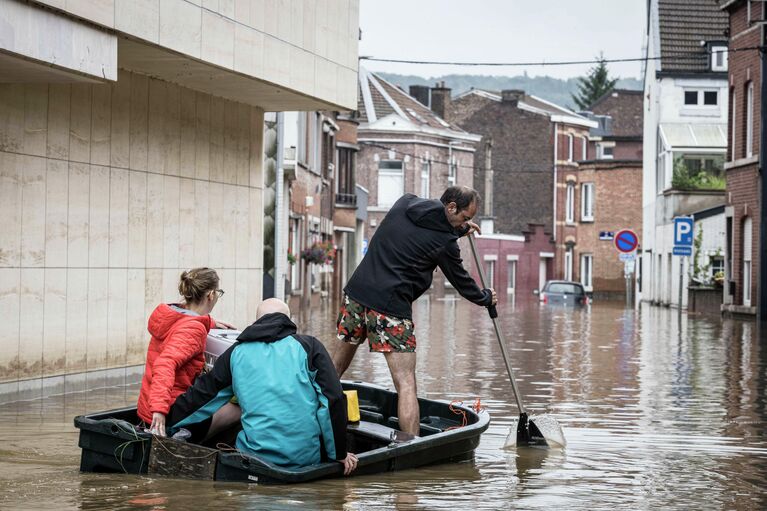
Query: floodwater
{"points": [[655, 417]]}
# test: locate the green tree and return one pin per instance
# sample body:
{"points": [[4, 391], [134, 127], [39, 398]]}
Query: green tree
{"points": [[594, 85]]}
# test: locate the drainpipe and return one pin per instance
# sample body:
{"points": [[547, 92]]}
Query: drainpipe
{"points": [[554, 220], [280, 258]]}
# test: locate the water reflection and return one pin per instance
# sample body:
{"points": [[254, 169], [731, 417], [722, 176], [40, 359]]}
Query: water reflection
{"points": [[657, 414]]}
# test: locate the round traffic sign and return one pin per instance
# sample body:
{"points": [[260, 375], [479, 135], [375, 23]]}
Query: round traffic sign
{"points": [[626, 241]]}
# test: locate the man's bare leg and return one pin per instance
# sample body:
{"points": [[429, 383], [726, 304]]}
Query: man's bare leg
{"points": [[343, 355], [224, 418], [402, 367]]}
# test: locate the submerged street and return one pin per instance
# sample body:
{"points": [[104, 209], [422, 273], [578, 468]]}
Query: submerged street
{"points": [[655, 417]]}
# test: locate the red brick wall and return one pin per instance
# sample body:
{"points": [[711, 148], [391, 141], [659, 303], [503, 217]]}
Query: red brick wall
{"points": [[616, 206], [522, 159], [528, 253], [743, 180]]}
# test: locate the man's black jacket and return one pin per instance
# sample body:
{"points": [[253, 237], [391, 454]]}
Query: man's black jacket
{"points": [[412, 240]]}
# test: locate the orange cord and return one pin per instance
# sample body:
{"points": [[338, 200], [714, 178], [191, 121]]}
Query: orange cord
{"points": [[477, 407]]}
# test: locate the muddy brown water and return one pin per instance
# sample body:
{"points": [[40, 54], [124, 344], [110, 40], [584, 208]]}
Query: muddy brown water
{"points": [[656, 417]]}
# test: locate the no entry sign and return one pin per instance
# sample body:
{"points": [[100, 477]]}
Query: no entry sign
{"points": [[626, 241]]}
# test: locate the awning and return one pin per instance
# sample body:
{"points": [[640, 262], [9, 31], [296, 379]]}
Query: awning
{"points": [[678, 135]]}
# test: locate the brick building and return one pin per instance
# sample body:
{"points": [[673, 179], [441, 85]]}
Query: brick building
{"points": [[742, 210], [527, 144], [322, 203], [606, 192], [406, 148], [516, 265]]}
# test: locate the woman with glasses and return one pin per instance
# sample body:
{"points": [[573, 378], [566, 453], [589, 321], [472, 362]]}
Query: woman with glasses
{"points": [[175, 355]]}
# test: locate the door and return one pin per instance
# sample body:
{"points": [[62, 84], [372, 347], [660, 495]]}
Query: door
{"points": [[541, 273]]}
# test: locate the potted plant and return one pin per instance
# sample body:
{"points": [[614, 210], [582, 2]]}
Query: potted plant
{"points": [[319, 253]]}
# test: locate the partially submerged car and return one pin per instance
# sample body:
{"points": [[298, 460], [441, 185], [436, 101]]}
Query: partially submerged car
{"points": [[564, 292]]}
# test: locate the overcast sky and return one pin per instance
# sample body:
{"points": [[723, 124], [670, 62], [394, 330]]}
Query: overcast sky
{"points": [[502, 31]]}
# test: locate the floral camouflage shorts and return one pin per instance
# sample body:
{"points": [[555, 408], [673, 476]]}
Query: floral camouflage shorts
{"points": [[384, 333]]}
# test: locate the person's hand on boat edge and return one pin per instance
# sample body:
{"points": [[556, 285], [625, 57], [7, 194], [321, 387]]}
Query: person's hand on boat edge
{"points": [[223, 325], [349, 463], [158, 424]]}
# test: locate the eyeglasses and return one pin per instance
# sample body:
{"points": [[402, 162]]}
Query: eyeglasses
{"points": [[220, 292]]}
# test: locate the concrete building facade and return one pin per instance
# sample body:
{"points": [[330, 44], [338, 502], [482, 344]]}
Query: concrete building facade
{"points": [[131, 148], [685, 133]]}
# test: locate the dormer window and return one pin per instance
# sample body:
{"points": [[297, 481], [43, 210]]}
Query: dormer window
{"points": [[718, 57]]}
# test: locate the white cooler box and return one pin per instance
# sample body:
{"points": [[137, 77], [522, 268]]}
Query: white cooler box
{"points": [[218, 342]]}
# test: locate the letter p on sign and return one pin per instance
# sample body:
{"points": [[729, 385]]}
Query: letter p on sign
{"points": [[683, 231]]}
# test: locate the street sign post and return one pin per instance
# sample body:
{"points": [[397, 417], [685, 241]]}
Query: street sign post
{"points": [[627, 241], [683, 235]]}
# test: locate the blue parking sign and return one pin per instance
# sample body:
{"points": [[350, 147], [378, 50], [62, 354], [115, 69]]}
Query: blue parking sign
{"points": [[683, 231]]}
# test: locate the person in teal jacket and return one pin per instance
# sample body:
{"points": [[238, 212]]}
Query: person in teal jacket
{"points": [[293, 407]]}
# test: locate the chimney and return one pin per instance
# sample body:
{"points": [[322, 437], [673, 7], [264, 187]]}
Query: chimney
{"points": [[421, 93], [512, 96], [440, 100]]}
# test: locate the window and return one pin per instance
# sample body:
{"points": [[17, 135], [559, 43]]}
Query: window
{"points": [[605, 150], [570, 203], [345, 182], [587, 202], [749, 120], [583, 148], [390, 182], [733, 124], [569, 264], [747, 244], [511, 283], [660, 167], [701, 98], [569, 148], [719, 57], [451, 172], [490, 273], [587, 261], [717, 265], [425, 176]]}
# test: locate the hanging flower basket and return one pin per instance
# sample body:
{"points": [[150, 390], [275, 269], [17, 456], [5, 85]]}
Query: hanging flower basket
{"points": [[319, 253], [291, 259]]}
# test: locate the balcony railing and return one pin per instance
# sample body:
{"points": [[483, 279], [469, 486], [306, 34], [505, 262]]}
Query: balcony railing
{"points": [[346, 199]]}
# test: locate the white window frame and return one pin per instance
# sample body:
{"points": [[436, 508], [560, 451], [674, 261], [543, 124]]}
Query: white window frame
{"points": [[425, 177], [587, 271], [452, 172], [569, 264], [390, 173], [719, 52], [584, 150], [601, 146], [749, 120], [570, 203], [570, 147], [511, 273], [700, 98], [489, 261], [587, 202]]}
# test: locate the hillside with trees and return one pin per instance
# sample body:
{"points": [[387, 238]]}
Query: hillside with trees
{"points": [[556, 90]]}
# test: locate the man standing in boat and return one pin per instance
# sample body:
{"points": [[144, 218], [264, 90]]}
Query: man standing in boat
{"points": [[416, 236]]}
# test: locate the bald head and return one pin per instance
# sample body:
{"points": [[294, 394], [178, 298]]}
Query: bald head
{"points": [[271, 305]]}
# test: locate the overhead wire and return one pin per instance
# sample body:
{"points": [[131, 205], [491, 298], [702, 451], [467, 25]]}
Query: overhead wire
{"points": [[691, 55]]}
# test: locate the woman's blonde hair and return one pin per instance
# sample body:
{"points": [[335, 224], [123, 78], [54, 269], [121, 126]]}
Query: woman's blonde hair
{"points": [[196, 283]]}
